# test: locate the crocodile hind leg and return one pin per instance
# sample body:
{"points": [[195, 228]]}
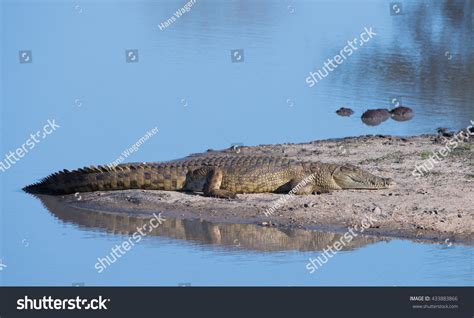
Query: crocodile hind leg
{"points": [[297, 187], [213, 183]]}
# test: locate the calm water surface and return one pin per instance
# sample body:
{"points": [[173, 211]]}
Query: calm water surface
{"points": [[184, 82]]}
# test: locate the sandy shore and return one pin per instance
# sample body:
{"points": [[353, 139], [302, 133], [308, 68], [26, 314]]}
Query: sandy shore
{"points": [[435, 207]]}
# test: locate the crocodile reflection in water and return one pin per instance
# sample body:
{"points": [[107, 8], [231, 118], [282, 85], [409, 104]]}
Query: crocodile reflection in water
{"points": [[245, 236]]}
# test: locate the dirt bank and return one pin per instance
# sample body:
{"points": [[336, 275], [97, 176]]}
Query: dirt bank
{"points": [[438, 206]]}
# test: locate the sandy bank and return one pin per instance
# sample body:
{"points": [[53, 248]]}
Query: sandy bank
{"points": [[437, 207]]}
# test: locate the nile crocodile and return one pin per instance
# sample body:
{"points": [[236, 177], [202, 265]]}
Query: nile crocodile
{"points": [[217, 176]]}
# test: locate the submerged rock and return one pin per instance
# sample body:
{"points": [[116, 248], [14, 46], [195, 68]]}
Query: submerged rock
{"points": [[374, 117], [402, 113], [343, 111], [444, 132]]}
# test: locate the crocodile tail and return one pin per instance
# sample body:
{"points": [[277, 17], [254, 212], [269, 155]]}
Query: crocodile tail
{"points": [[103, 178]]}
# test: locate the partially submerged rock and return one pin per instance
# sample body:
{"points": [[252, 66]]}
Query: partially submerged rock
{"points": [[343, 111], [374, 117], [402, 113], [444, 132]]}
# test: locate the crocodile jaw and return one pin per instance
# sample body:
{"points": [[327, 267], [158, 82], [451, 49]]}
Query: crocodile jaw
{"points": [[351, 177]]}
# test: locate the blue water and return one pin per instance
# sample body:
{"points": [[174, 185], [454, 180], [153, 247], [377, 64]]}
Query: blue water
{"points": [[186, 84]]}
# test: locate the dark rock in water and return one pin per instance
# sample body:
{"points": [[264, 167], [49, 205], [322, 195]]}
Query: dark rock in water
{"points": [[402, 113], [441, 130], [343, 111], [444, 132], [374, 117]]}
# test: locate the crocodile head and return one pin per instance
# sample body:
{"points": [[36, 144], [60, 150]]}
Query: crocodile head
{"points": [[352, 177]]}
